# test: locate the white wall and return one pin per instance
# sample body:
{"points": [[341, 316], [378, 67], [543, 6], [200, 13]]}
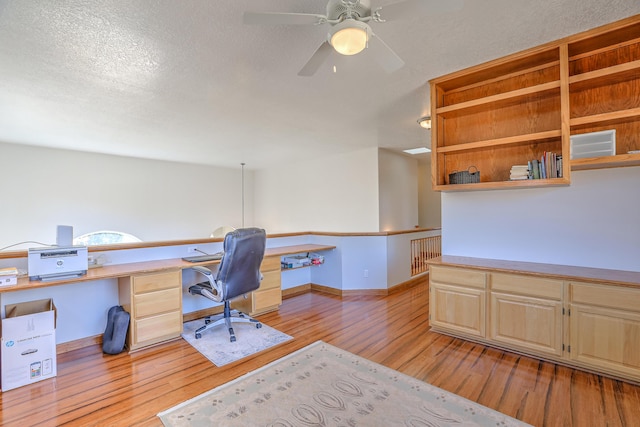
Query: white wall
{"points": [[429, 201], [595, 222], [338, 194], [154, 200], [398, 184]]}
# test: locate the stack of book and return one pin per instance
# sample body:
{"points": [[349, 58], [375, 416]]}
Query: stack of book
{"points": [[519, 172], [549, 166], [8, 276]]}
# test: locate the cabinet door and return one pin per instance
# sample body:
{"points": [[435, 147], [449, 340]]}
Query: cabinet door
{"points": [[534, 324], [457, 308], [606, 339]]}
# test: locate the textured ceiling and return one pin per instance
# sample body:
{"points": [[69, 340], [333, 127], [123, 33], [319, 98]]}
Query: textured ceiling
{"points": [[187, 81]]}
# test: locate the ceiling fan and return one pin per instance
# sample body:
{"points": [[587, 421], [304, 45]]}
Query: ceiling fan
{"points": [[349, 31]]}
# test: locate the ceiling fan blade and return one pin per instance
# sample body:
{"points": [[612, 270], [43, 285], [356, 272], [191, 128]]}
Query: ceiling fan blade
{"points": [[276, 18], [316, 60], [384, 55], [410, 8]]}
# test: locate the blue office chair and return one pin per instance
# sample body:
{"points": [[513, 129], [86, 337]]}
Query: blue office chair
{"points": [[238, 274]]}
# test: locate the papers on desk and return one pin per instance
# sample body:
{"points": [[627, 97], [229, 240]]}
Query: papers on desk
{"points": [[8, 276]]}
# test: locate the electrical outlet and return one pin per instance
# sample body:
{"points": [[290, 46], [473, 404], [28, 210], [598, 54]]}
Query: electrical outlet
{"points": [[191, 249], [366, 273]]}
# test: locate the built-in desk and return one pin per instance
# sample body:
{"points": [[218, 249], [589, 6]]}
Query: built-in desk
{"points": [[151, 291]]}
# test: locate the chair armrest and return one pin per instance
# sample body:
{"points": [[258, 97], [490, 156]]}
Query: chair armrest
{"points": [[207, 273]]}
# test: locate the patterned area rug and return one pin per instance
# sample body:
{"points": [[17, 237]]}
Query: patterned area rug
{"points": [[215, 344], [321, 385]]}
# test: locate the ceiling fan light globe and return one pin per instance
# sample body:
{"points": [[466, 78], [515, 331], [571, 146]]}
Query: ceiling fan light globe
{"points": [[349, 41]]}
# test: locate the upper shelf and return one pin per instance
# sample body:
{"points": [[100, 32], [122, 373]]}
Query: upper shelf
{"points": [[501, 100]]}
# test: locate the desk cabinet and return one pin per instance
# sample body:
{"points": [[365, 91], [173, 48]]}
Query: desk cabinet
{"points": [[269, 296], [155, 304]]}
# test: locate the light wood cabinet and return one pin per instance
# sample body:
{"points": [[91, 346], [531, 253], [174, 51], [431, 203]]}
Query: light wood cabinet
{"points": [[605, 328], [588, 325], [154, 302], [457, 300], [512, 110], [269, 296], [526, 312]]}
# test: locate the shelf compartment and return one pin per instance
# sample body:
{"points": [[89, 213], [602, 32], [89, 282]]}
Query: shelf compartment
{"points": [[611, 117], [528, 94], [517, 139], [505, 68], [606, 76], [494, 163]]}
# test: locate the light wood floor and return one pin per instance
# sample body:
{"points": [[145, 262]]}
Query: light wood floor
{"points": [[130, 389]]}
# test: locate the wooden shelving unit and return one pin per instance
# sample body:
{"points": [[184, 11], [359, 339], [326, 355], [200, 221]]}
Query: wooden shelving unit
{"points": [[510, 111]]}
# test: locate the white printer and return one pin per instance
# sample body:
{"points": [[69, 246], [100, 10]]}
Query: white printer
{"points": [[57, 262]]}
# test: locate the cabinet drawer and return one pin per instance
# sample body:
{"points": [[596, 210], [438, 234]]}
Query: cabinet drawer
{"points": [[268, 298], [158, 328], [270, 263], [271, 280], [154, 282], [156, 302], [457, 276], [605, 296], [526, 285]]}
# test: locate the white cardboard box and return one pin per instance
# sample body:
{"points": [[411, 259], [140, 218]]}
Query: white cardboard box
{"points": [[28, 352]]}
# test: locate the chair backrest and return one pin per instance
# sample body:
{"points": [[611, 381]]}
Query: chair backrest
{"points": [[239, 269]]}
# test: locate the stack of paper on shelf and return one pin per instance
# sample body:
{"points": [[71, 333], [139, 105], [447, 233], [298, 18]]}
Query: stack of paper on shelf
{"points": [[8, 276], [519, 172]]}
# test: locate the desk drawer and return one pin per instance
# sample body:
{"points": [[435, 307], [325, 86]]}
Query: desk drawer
{"points": [[157, 328], [270, 263], [156, 281], [156, 302], [268, 298], [271, 280]]}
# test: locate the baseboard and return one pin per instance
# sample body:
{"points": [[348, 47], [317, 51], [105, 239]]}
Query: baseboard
{"points": [[326, 289], [286, 293], [68, 346], [296, 290], [420, 279]]}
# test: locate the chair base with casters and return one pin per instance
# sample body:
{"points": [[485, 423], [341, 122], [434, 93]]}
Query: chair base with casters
{"points": [[229, 316]]}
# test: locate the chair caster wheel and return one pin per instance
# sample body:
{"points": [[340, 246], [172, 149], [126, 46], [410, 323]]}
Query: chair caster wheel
{"points": [[258, 325], [198, 336], [233, 339]]}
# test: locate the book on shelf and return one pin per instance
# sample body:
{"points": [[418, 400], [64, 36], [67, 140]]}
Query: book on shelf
{"points": [[519, 172], [549, 166]]}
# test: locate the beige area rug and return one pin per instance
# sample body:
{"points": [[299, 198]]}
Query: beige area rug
{"points": [[216, 347], [321, 385]]}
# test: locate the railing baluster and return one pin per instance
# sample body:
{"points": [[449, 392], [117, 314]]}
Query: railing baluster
{"points": [[422, 250]]}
